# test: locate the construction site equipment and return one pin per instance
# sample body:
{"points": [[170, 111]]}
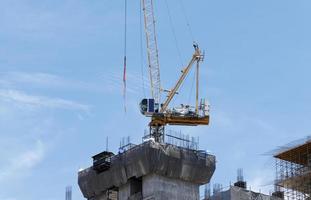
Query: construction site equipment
{"points": [[102, 161], [293, 170], [160, 113], [155, 170]]}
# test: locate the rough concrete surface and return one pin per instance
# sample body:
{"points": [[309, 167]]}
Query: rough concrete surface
{"points": [[237, 193], [195, 167], [159, 187]]}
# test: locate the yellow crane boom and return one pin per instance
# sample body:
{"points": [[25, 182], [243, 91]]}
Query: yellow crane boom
{"points": [[197, 57]]}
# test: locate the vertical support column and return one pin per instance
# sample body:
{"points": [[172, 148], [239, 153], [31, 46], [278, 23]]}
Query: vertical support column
{"points": [[157, 132], [197, 88]]}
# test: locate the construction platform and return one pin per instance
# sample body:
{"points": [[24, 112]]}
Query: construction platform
{"points": [[293, 169], [150, 170]]}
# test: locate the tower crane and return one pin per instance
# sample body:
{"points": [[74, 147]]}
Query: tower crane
{"points": [[160, 113]]}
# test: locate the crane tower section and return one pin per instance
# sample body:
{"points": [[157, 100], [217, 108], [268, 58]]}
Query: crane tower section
{"points": [[152, 49]]}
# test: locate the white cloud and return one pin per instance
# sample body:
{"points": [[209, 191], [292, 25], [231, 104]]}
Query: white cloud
{"points": [[41, 101], [39, 78], [45, 80], [22, 163], [109, 82], [30, 158], [262, 180]]}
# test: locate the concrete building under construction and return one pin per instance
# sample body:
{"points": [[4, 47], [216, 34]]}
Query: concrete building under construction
{"points": [[293, 170], [237, 191], [150, 170], [155, 169]]}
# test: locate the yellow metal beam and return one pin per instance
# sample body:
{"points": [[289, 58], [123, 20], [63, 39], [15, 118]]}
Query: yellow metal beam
{"points": [[162, 120], [196, 57]]}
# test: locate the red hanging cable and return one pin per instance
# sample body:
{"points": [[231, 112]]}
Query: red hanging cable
{"points": [[125, 48], [124, 83]]}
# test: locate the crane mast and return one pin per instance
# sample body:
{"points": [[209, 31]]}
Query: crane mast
{"points": [[160, 113], [152, 50]]}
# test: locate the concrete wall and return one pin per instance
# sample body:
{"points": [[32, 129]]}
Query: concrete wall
{"points": [[242, 194], [103, 196], [132, 190], [124, 192], [236, 193], [165, 160], [157, 187]]}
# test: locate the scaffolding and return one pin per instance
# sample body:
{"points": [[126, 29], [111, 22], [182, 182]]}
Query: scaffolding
{"points": [[68, 193], [293, 170]]}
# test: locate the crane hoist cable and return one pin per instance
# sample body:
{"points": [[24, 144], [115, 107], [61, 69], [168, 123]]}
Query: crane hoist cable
{"points": [[176, 41], [174, 33], [125, 52], [186, 19]]}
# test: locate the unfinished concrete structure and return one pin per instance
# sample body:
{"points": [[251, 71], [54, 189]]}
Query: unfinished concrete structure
{"points": [[238, 193], [293, 170], [150, 170]]}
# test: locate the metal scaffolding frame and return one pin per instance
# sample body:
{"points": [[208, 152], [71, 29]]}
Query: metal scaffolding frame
{"points": [[293, 171]]}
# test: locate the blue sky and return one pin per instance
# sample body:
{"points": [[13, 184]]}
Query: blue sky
{"points": [[61, 85]]}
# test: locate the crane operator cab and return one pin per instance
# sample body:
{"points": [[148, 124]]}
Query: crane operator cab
{"points": [[148, 107]]}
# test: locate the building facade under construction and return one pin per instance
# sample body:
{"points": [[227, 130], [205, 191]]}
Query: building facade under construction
{"points": [[293, 170], [150, 170], [237, 191]]}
